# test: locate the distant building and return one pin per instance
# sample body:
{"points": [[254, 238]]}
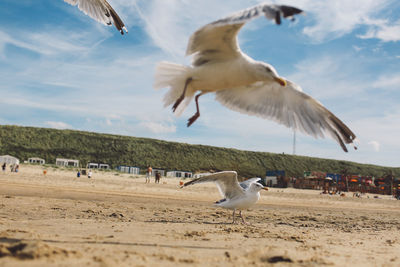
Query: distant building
{"points": [[128, 169], [275, 178], [92, 165], [7, 159], [67, 162], [198, 175], [36, 161], [104, 166], [271, 181], [180, 174]]}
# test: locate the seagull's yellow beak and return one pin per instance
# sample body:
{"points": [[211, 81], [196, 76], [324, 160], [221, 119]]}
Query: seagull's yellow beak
{"points": [[280, 81], [265, 188]]}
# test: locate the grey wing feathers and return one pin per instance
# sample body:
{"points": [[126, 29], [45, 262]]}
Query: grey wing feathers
{"points": [[246, 184], [218, 40], [226, 181], [288, 106], [101, 11], [272, 12]]}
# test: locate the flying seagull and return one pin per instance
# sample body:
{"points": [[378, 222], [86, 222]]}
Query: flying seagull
{"points": [[236, 196], [242, 83], [101, 11]]}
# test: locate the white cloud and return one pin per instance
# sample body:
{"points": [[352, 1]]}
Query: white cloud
{"points": [[329, 76], [47, 43], [334, 19], [158, 128], [383, 30], [388, 82], [375, 145], [58, 125]]}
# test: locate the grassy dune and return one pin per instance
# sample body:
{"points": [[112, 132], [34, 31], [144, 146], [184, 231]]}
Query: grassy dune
{"points": [[25, 142]]}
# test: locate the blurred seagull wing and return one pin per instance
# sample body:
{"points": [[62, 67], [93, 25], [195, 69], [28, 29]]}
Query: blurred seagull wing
{"points": [[226, 181], [101, 11]]}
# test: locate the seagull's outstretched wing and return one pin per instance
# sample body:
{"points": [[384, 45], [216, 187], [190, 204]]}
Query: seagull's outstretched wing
{"points": [[246, 184], [101, 11], [226, 181], [218, 40], [288, 106]]}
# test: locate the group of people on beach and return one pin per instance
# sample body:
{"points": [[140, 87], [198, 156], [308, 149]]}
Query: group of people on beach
{"points": [[89, 174], [13, 167]]}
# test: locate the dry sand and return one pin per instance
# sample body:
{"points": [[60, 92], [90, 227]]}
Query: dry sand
{"points": [[117, 220]]}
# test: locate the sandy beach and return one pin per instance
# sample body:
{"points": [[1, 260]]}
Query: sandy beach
{"points": [[117, 220]]}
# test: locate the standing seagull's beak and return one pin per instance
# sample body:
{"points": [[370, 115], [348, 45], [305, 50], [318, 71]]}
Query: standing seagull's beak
{"points": [[280, 81], [265, 188]]}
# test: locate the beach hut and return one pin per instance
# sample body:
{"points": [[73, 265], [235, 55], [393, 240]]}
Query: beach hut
{"points": [[180, 174], [67, 162], [198, 175], [129, 169], [36, 161], [104, 166], [92, 165], [7, 159]]}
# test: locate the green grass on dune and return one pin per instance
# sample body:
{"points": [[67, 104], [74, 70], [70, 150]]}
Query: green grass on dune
{"points": [[25, 142]]}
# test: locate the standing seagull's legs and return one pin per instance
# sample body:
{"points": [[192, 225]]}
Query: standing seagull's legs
{"points": [[197, 114], [179, 100], [233, 217], [241, 216]]}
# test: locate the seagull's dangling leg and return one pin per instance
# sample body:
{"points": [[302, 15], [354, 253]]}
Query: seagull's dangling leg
{"points": [[180, 99], [197, 114], [233, 217]]}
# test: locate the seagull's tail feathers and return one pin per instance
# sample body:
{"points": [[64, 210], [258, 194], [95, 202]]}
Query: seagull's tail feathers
{"points": [[173, 76]]}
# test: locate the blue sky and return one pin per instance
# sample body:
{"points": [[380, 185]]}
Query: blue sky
{"points": [[61, 69]]}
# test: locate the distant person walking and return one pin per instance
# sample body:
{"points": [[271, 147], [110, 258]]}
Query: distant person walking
{"points": [[4, 167], [89, 175], [148, 174], [78, 174], [158, 176]]}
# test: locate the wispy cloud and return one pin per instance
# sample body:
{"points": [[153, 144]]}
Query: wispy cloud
{"points": [[58, 125], [333, 19], [383, 30], [158, 128], [388, 82], [375, 145]]}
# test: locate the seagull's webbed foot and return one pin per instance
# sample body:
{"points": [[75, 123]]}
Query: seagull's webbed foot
{"points": [[177, 102], [193, 119]]}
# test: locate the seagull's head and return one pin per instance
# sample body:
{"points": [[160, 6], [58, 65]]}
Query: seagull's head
{"points": [[258, 186], [266, 72]]}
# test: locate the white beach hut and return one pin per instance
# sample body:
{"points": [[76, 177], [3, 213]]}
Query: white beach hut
{"points": [[180, 174], [67, 162], [7, 159], [36, 161]]}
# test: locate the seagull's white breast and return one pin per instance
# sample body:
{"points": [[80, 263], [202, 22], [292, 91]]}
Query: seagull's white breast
{"points": [[243, 202], [222, 74]]}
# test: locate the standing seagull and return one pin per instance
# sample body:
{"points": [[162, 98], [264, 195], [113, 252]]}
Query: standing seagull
{"points": [[236, 196], [242, 83], [101, 11]]}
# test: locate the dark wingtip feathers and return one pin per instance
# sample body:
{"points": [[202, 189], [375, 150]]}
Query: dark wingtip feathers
{"points": [[286, 12]]}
